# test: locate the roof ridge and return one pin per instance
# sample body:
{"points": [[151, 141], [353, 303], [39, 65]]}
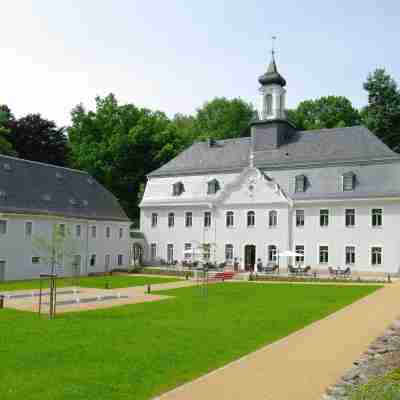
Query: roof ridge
{"points": [[323, 130], [45, 164]]}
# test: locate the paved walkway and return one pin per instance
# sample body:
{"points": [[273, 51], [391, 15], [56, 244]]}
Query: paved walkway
{"points": [[302, 365]]}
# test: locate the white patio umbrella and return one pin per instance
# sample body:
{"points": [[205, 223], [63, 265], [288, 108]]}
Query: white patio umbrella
{"points": [[289, 253]]}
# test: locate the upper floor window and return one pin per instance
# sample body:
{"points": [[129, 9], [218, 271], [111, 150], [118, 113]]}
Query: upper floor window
{"points": [[268, 104], [299, 217], [108, 232], [251, 218], [154, 218], [28, 229], [188, 219], [376, 255], [348, 181], [171, 219], [153, 251], [300, 184], [207, 219], [212, 186], [3, 227], [78, 231], [229, 218], [350, 216], [121, 233], [94, 232], [61, 230], [273, 218], [177, 189], [376, 215], [323, 217]]}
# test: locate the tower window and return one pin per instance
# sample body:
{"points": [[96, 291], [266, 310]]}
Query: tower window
{"points": [[212, 187], [268, 104], [177, 189]]}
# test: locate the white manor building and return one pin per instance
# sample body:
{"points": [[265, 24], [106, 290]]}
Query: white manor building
{"points": [[36, 197], [332, 195]]}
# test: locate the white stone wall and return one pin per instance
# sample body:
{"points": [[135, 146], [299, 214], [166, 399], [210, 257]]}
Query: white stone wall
{"points": [[17, 250], [237, 197]]}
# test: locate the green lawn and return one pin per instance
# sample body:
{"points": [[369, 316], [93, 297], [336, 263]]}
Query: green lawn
{"points": [[138, 351], [114, 281]]}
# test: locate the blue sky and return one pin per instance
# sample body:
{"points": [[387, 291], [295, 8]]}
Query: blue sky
{"points": [[174, 55]]}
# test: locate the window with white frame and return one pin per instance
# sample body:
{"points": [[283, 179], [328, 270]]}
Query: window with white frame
{"points": [[251, 218], [350, 252], [376, 215], [178, 188], [273, 218], [299, 217], [3, 227], [376, 255], [300, 184], [28, 229], [323, 254], [78, 231], [268, 104], [229, 218], [212, 186], [206, 251], [107, 261], [94, 232], [154, 218], [324, 217], [170, 253], [35, 260], [171, 219], [299, 249], [272, 253], [228, 252], [348, 181], [207, 219], [350, 217], [108, 232], [92, 260], [120, 259], [61, 230], [121, 233], [188, 219], [153, 251], [188, 251]]}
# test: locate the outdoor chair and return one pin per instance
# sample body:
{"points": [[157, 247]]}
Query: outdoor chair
{"points": [[270, 270], [292, 270], [306, 270], [346, 272]]}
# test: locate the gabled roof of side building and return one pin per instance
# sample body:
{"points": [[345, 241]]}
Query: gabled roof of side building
{"points": [[320, 147], [30, 187]]}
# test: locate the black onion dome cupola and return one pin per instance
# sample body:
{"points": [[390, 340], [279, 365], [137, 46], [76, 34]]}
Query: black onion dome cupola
{"points": [[272, 76]]}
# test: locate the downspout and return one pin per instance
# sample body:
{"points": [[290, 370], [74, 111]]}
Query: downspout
{"points": [[87, 247]]}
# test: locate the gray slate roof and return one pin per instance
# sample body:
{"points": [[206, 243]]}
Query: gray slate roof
{"points": [[304, 149], [37, 188]]}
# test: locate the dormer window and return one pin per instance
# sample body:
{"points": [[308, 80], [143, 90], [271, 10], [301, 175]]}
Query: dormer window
{"points": [[7, 167], [300, 184], [213, 187], [348, 181], [59, 177], [46, 197], [177, 189]]}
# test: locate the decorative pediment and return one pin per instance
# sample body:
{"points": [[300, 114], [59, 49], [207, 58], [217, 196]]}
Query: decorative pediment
{"points": [[252, 186]]}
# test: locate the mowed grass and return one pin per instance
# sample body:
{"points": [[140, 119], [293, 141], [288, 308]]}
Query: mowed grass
{"points": [[114, 282], [139, 351]]}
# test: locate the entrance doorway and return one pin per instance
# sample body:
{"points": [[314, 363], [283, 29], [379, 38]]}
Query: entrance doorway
{"points": [[137, 254], [249, 257]]}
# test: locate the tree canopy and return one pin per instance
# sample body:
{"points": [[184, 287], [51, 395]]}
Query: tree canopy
{"points": [[5, 118], [382, 114], [325, 112]]}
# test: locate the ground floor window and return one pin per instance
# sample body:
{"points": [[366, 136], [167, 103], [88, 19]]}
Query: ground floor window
{"points": [[350, 255], [228, 252], [272, 251], [188, 251], [376, 255], [107, 261], [323, 254], [120, 259], [2, 270], [153, 251], [92, 261], [300, 258], [170, 253], [206, 251]]}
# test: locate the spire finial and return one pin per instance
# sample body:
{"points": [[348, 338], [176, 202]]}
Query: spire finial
{"points": [[273, 47]]}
